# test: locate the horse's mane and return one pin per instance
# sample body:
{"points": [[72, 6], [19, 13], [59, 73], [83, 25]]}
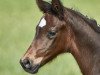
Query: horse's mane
{"points": [[91, 22], [47, 7]]}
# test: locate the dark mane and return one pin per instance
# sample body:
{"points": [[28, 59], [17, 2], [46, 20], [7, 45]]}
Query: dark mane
{"points": [[57, 8], [92, 22]]}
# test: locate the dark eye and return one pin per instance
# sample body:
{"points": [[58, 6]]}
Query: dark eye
{"points": [[51, 34]]}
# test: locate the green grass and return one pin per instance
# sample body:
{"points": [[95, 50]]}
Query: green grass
{"points": [[18, 19]]}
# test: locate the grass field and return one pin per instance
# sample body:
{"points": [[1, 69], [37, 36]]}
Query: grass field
{"points": [[18, 19]]}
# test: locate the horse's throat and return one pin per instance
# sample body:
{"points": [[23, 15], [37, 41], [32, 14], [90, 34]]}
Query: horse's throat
{"points": [[83, 58]]}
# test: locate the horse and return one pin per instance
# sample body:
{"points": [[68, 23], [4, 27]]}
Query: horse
{"points": [[63, 30]]}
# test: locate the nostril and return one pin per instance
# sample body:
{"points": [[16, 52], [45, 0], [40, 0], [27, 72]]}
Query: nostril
{"points": [[26, 63]]}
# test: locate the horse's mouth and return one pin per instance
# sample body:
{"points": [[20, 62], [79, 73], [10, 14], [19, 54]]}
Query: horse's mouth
{"points": [[32, 69]]}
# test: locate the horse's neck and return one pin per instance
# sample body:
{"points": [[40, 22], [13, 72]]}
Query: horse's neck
{"points": [[86, 46], [88, 61]]}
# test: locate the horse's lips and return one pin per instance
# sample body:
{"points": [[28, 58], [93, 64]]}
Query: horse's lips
{"points": [[33, 69]]}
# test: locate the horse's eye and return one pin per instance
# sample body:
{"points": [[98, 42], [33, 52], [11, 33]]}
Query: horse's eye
{"points": [[51, 34]]}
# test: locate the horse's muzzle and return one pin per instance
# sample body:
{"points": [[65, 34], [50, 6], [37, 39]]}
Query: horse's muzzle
{"points": [[28, 66]]}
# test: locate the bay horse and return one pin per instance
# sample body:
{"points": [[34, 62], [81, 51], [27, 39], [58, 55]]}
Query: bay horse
{"points": [[63, 30]]}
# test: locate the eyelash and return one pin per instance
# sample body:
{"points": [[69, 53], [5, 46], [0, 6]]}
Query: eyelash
{"points": [[51, 34]]}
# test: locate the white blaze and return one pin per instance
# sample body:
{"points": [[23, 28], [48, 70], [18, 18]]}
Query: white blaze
{"points": [[42, 22]]}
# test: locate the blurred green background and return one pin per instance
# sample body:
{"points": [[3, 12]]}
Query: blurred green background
{"points": [[18, 19]]}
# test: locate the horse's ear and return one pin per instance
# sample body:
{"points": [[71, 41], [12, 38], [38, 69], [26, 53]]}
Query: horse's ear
{"points": [[43, 6], [58, 8]]}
